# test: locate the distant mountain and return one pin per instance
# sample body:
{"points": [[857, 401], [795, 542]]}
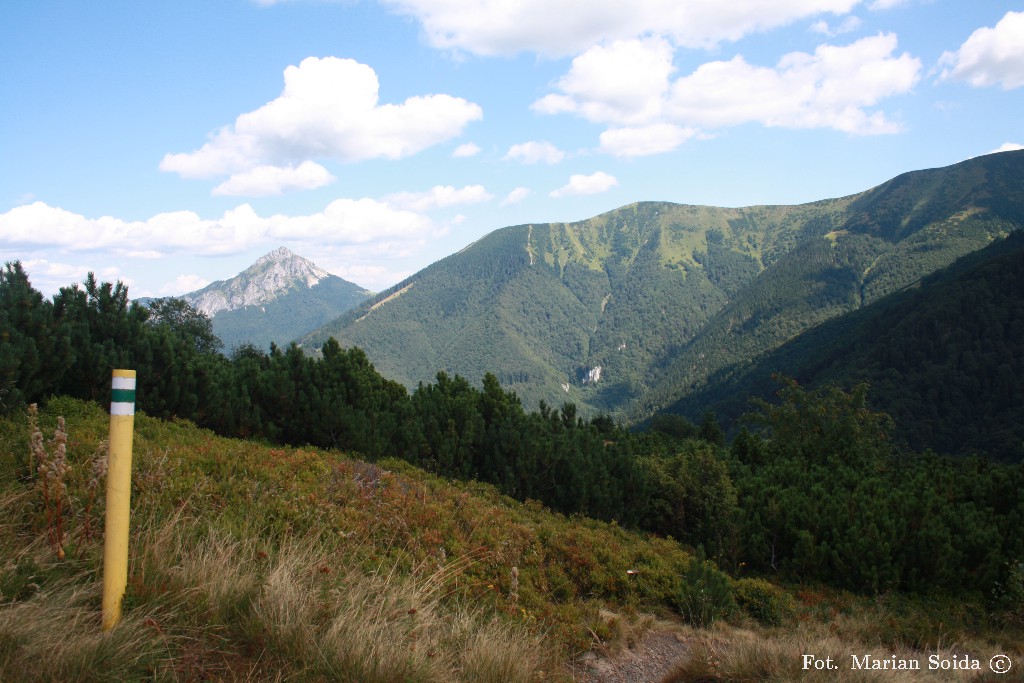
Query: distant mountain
{"points": [[277, 299], [628, 311], [943, 358]]}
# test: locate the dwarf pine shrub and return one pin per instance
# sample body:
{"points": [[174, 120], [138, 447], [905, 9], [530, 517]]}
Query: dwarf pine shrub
{"points": [[705, 595], [765, 602]]}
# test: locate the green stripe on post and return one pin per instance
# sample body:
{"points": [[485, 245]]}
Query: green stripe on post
{"points": [[122, 396]]}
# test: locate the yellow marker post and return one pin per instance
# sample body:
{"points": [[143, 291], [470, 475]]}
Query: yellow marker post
{"points": [[119, 495]]}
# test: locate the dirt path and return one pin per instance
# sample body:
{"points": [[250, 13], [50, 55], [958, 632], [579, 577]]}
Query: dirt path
{"points": [[648, 662]]}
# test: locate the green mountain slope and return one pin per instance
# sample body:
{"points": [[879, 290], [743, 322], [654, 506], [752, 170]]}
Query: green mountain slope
{"points": [[627, 311], [943, 358]]}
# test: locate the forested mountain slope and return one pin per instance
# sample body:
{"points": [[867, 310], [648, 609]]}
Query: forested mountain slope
{"points": [[944, 359], [627, 311]]}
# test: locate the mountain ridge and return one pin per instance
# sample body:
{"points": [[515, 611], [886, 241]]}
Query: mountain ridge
{"points": [[660, 295]]}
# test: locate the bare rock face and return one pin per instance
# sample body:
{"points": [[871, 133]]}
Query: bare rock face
{"points": [[267, 279]]}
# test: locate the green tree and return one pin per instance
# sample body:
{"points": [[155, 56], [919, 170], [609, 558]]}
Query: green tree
{"points": [[34, 348], [692, 496], [184, 320]]}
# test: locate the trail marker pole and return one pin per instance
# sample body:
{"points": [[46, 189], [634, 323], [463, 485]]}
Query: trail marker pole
{"points": [[119, 495]]}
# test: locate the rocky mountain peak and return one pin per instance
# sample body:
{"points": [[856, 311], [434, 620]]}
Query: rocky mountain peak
{"points": [[268, 278]]}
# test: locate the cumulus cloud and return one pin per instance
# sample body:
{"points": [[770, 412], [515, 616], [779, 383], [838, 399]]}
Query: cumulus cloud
{"points": [[499, 27], [848, 25], [653, 139], [580, 184], [183, 284], [329, 109], [990, 56], [833, 88], [437, 197], [343, 221], [535, 152], [48, 277], [468, 149], [269, 180], [622, 83], [515, 196]]}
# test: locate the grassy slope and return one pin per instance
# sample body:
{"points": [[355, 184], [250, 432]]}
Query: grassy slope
{"points": [[248, 560], [258, 563]]}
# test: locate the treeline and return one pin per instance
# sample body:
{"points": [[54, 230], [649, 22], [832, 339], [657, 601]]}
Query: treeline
{"points": [[69, 345], [819, 493]]}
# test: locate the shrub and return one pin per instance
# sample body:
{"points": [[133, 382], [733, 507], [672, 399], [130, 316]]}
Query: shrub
{"points": [[765, 602], [706, 594], [1010, 593]]}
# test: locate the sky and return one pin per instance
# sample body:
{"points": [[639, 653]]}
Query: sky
{"points": [[169, 144]]}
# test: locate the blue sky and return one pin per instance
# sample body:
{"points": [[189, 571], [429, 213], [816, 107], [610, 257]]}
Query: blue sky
{"points": [[170, 144]]}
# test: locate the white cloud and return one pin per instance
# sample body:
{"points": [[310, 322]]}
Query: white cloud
{"points": [[437, 197], [468, 149], [564, 27], [183, 284], [515, 196], [343, 221], [832, 88], [653, 139], [534, 152], [887, 4], [350, 221], [48, 277], [990, 56], [1007, 147], [623, 83], [848, 25], [270, 180], [586, 184], [374, 277], [329, 109]]}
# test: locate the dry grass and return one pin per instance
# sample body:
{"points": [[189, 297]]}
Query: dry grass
{"points": [[729, 653], [54, 634], [202, 605]]}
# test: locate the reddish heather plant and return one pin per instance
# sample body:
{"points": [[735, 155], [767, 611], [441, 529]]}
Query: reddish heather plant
{"points": [[52, 468]]}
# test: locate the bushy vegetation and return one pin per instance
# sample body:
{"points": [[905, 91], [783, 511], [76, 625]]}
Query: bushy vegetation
{"points": [[705, 595], [255, 561], [768, 604], [819, 493], [827, 497], [260, 555]]}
